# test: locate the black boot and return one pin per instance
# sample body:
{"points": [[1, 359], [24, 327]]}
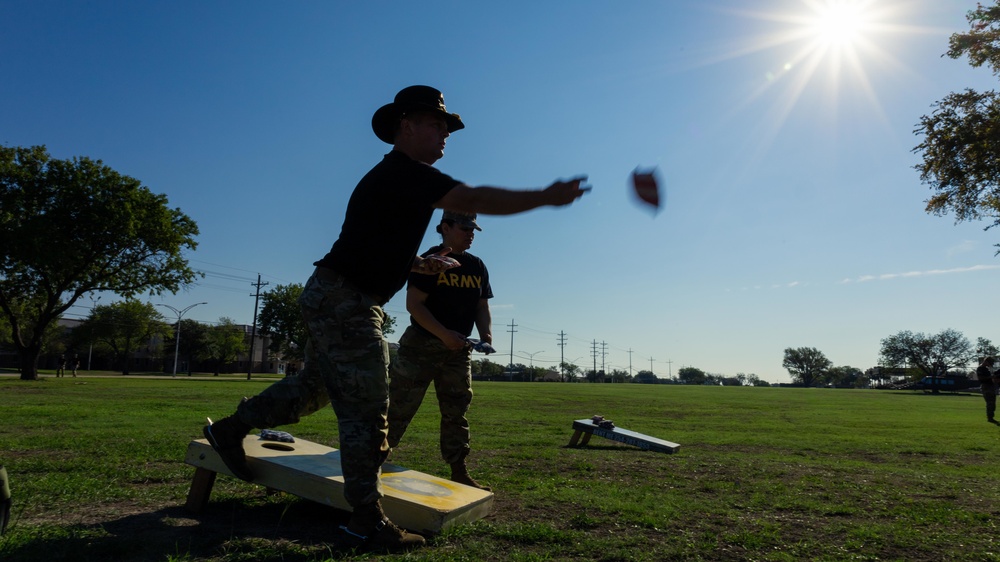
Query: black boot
{"points": [[226, 437], [460, 474], [370, 529]]}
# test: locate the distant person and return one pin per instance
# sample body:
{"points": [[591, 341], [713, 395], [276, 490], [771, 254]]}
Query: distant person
{"points": [[444, 308], [61, 368], [346, 357], [989, 387], [76, 364]]}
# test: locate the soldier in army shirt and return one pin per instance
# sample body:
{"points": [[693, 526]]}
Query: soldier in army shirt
{"points": [[444, 308]]}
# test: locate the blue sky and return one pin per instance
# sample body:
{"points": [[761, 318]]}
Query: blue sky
{"points": [[793, 215]]}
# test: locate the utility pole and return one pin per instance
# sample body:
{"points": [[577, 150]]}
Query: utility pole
{"points": [[651, 365], [510, 367], [562, 355], [630, 361], [253, 329], [670, 374], [593, 353], [604, 354]]}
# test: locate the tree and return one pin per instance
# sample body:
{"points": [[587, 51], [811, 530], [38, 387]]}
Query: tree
{"points": [[961, 138], [569, 371], [281, 318], [929, 354], [620, 376], [645, 377], [224, 343], [807, 365], [72, 227], [985, 348], [122, 328], [691, 375], [846, 377], [487, 369]]}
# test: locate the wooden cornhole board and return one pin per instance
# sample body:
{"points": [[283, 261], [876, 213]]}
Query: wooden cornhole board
{"points": [[414, 500], [587, 427]]}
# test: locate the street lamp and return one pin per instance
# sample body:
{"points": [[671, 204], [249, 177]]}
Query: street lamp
{"points": [[531, 364], [177, 333]]}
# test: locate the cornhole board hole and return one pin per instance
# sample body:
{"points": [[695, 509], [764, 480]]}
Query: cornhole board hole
{"points": [[413, 500], [587, 427]]}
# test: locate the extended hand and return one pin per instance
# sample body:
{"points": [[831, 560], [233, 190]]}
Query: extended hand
{"points": [[434, 263], [565, 192]]}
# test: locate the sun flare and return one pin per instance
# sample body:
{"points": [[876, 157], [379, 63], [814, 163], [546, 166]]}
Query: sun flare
{"points": [[838, 23]]}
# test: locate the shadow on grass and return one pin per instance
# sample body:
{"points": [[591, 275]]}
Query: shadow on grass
{"points": [[292, 531]]}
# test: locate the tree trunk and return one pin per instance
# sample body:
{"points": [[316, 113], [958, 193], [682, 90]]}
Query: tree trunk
{"points": [[28, 357]]}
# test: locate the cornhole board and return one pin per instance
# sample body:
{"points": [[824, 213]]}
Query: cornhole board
{"points": [[413, 500], [586, 428]]}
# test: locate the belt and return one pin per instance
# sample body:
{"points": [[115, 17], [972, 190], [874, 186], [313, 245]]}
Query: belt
{"points": [[331, 276]]}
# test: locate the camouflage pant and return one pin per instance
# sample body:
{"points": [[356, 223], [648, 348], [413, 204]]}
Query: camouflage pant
{"points": [[346, 364], [423, 358], [990, 395]]}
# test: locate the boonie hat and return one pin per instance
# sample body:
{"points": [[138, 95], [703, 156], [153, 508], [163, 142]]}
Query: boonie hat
{"points": [[412, 98], [464, 219]]}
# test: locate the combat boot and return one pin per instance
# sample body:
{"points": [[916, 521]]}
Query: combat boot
{"points": [[460, 474], [369, 529], [226, 437]]}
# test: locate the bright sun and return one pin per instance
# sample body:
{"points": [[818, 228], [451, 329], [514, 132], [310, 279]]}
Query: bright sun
{"points": [[838, 23], [828, 52]]}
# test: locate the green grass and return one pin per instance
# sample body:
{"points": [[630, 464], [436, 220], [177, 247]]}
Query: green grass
{"points": [[772, 474]]}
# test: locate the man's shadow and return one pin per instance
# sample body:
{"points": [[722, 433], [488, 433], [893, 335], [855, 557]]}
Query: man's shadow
{"points": [[258, 531]]}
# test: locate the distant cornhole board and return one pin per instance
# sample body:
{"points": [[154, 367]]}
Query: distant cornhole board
{"points": [[413, 500], [588, 427]]}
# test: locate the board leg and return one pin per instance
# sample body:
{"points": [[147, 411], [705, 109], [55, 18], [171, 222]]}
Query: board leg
{"points": [[201, 489], [576, 437]]}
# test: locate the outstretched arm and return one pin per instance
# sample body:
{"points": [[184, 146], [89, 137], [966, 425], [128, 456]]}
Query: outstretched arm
{"points": [[502, 201]]}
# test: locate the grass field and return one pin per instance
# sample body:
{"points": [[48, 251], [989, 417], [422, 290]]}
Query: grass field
{"points": [[96, 468]]}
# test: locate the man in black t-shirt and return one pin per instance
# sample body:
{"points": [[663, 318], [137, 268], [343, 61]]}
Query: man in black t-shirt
{"points": [[346, 357], [443, 310]]}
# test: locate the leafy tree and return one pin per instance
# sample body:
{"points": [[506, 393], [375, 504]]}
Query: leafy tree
{"points": [[389, 326], [122, 328], [985, 348], [691, 375], [620, 376], [72, 227], [224, 343], [846, 377], [487, 369], [961, 138], [645, 377], [281, 318], [569, 371], [806, 365], [929, 354]]}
